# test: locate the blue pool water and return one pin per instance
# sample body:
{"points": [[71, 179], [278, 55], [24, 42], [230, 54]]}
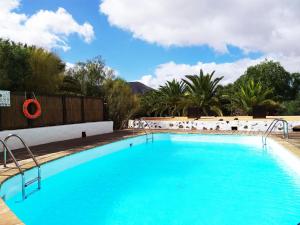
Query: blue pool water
{"points": [[176, 180]]}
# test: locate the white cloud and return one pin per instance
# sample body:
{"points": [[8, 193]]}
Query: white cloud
{"points": [[45, 28], [69, 65], [231, 71], [270, 26]]}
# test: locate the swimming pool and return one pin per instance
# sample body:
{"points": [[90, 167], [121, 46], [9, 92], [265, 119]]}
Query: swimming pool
{"points": [[179, 179]]}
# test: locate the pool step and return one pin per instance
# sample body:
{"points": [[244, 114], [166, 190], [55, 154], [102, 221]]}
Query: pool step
{"points": [[32, 181]]}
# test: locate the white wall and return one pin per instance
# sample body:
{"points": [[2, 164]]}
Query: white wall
{"points": [[242, 125], [43, 135]]}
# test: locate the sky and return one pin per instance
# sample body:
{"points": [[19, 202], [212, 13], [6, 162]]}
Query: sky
{"points": [[158, 40]]}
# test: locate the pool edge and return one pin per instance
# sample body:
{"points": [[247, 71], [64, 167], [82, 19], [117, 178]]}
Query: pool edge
{"points": [[9, 218]]}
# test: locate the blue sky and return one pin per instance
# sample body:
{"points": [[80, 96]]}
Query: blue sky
{"points": [[131, 57], [141, 47]]}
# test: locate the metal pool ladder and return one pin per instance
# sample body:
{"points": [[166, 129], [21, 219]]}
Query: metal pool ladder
{"points": [[271, 128], [24, 183], [141, 125]]}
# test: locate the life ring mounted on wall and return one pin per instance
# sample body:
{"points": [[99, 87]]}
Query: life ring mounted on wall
{"points": [[38, 109]]}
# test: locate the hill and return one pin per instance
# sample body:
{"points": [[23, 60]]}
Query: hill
{"points": [[139, 88]]}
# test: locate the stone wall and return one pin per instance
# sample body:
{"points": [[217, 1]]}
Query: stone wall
{"points": [[242, 125]]}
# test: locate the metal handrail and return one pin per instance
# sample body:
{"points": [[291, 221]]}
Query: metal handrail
{"points": [[141, 123], [24, 144], [272, 126], [6, 149]]}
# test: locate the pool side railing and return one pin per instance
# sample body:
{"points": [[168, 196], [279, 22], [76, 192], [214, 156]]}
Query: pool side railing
{"points": [[22, 172], [272, 126], [141, 125]]}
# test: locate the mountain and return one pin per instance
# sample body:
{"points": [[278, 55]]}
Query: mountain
{"points": [[139, 88]]}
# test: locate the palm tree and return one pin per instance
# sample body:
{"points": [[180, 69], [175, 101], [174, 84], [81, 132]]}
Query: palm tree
{"points": [[201, 90], [252, 94], [151, 103], [173, 98], [168, 100]]}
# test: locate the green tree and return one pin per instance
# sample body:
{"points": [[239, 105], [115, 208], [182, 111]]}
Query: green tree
{"points": [[295, 86], [46, 71], [122, 103], [253, 94], [291, 107], [225, 94], [168, 100], [91, 75], [272, 75], [28, 68], [172, 100], [14, 65], [150, 104], [70, 85], [201, 92]]}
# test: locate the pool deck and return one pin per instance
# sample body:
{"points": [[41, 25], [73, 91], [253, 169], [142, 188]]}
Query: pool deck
{"points": [[55, 150]]}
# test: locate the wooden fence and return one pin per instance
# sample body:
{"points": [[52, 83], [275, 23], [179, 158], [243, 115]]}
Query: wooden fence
{"points": [[56, 110]]}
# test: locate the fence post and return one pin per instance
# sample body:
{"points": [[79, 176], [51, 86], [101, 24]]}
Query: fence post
{"points": [[82, 110], [105, 111], [64, 109]]}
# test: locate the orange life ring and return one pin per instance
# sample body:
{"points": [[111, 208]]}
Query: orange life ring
{"points": [[37, 112]]}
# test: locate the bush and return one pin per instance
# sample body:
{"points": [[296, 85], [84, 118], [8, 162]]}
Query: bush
{"points": [[121, 102]]}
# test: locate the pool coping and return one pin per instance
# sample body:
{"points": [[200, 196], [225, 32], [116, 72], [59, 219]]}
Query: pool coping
{"points": [[9, 218]]}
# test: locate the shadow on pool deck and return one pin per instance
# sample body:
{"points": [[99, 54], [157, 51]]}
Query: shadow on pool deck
{"points": [[68, 146]]}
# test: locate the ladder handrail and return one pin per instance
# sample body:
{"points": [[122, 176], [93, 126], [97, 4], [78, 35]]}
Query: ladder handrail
{"points": [[6, 149], [24, 144], [141, 123], [151, 132], [272, 126]]}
